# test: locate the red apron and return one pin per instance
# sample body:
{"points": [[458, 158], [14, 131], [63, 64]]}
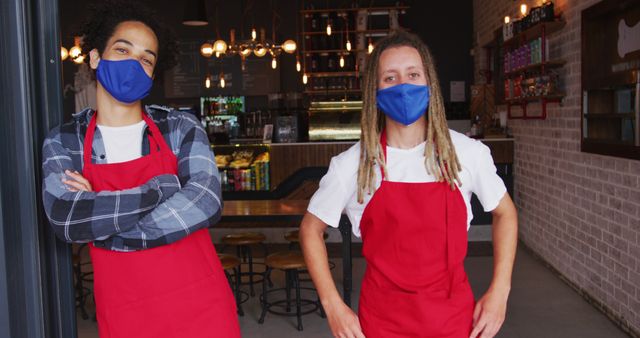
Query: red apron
{"points": [[176, 290], [414, 241]]}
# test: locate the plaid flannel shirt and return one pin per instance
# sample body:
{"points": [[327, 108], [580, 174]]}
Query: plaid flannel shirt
{"points": [[160, 211]]}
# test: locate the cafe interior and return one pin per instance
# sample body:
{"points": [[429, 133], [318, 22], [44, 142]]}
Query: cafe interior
{"points": [[551, 87]]}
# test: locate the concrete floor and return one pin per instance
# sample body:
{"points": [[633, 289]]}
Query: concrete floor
{"points": [[540, 305]]}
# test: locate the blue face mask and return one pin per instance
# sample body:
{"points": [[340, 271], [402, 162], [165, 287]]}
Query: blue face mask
{"points": [[404, 103], [125, 80]]}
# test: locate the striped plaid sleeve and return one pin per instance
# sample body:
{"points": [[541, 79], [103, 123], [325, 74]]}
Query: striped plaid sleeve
{"points": [[197, 205], [85, 216]]}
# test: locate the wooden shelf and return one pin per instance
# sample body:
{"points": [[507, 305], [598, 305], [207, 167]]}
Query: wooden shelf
{"points": [[333, 91], [522, 100], [332, 74], [368, 31], [536, 66], [371, 9], [535, 32]]}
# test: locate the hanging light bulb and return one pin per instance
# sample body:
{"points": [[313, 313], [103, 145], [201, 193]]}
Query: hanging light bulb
{"points": [[370, 47], [341, 61], [217, 54], [289, 46], [79, 59], [254, 35], [523, 9], [260, 51], [298, 65], [245, 52], [305, 78], [207, 82], [206, 49], [348, 46], [222, 82], [220, 46], [329, 27], [75, 51], [274, 63], [64, 53], [507, 19]]}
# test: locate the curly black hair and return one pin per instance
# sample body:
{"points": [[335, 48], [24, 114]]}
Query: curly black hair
{"points": [[107, 15]]}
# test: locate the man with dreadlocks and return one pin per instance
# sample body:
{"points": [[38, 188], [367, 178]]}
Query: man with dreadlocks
{"points": [[406, 187]]}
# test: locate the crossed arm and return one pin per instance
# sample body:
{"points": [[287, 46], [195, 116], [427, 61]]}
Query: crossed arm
{"points": [[160, 211]]}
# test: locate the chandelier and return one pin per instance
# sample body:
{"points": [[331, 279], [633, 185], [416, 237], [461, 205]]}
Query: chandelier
{"points": [[75, 52], [258, 47]]}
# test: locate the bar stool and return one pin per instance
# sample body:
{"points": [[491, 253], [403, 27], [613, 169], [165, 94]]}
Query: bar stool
{"points": [[231, 262], [290, 262], [243, 242], [293, 237]]}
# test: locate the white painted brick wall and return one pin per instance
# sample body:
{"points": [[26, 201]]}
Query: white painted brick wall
{"points": [[580, 212]]}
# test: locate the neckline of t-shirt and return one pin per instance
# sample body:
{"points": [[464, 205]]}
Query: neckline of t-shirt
{"points": [[129, 127], [417, 148]]}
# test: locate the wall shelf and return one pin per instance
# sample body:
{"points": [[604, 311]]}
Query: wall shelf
{"points": [[539, 31], [535, 32], [333, 91], [353, 9], [524, 101], [332, 74], [539, 67]]}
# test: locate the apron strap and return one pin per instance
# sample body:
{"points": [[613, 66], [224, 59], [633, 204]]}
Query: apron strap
{"points": [[450, 243], [383, 143], [87, 146], [156, 135], [155, 138]]}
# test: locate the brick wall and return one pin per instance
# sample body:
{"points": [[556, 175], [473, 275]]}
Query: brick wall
{"points": [[580, 212]]}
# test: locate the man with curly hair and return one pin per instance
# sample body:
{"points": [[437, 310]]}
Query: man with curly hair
{"points": [[140, 185]]}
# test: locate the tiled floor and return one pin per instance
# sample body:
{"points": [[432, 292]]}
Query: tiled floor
{"points": [[540, 305]]}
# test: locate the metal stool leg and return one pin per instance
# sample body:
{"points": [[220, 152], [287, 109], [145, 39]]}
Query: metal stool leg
{"points": [[236, 271], [80, 296], [250, 254], [266, 253], [296, 282], [288, 280], [265, 305]]}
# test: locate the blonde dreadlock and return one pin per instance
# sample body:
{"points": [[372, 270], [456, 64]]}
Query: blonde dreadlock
{"points": [[441, 160]]}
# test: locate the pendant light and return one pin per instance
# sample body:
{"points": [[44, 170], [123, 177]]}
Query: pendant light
{"points": [[64, 53], [206, 50], [195, 13]]}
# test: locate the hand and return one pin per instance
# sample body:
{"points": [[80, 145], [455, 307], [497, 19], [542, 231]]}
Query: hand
{"points": [[489, 314], [77, 182], [343, 321]]}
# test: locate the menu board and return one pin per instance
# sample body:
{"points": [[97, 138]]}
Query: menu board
{"points": [[187, 78], [259, 78]]}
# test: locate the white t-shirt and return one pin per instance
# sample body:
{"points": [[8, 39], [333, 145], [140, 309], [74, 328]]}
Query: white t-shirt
{"points": [[123, 144], [339, 191]]}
